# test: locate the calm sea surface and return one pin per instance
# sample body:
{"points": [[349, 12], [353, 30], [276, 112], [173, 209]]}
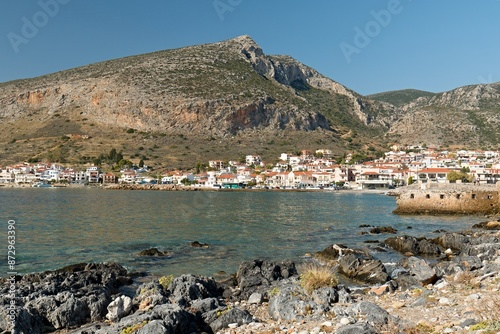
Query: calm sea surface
{"points": [[57, 227]]}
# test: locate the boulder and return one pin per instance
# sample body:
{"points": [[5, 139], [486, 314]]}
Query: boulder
{"points": [[291, 303], [119, 308], [72, 313], [155, 327], [363, 267], [488, 225], [454, 241], [427, 247], [258, 275], [360, 328], [232, 316], [98, 303], [404, 280], [152, 252], [205, 305], [255, 298], [375, 315], [325, 296], [420, 270], [28, 322], [198, 244], [332, 252], [403, 244], [180, 320], [383, 229], [150, 294], [187, 288]]}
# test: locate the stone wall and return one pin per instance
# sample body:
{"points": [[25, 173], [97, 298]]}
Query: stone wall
{"points": [[449, 199]]}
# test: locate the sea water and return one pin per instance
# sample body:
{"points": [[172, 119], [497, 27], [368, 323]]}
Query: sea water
{"points": [[58, 227]]}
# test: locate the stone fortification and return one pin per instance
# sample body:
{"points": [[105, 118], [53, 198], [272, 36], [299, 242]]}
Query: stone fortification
{"points": [[448, 199]]}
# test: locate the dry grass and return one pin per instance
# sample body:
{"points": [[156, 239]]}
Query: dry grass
{"points": [[315, 276], [465, 280], [488, 310]]}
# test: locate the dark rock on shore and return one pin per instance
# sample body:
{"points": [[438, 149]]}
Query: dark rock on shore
{"points": [[453, 241], [65, 298], [355, 264], [489, 225], [290, 302], [363, 267], [90, 295], [409, 245], [232, 316], [187, 288], [259, 275], [420, 270]]}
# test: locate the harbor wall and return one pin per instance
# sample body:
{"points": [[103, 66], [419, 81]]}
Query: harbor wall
{"points": [[449, 199]]}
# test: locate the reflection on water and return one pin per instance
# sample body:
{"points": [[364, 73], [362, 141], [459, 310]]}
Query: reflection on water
{"points": [[57, 227]]}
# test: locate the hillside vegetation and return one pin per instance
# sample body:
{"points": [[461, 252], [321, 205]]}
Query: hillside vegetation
{"points": [[224, 100]]}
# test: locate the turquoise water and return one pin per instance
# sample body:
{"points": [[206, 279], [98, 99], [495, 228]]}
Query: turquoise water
{"points": [[57, 227]]}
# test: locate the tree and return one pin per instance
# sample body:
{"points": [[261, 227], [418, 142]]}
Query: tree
{"points": [[454, 176], [112, 155], [119, 157], [141, 163]]}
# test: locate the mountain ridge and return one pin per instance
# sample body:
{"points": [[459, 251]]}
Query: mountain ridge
{"points": [[176, 101]]}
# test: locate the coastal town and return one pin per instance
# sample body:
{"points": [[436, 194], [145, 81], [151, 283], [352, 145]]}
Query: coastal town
{"points": [[308, 170]]}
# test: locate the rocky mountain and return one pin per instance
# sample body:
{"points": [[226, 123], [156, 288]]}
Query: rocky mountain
{"points": [[199, 102], [222, 101], [466, 116]]}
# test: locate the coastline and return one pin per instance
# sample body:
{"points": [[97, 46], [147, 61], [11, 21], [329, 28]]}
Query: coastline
{"points": [[265, 296], [169, 187]]}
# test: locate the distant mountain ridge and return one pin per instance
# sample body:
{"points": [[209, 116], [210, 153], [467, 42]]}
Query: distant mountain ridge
{"points": [[220, 100], [399, 98]]}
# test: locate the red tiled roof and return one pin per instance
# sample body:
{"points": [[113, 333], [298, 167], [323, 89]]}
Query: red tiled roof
{"points": [[434, 170]]}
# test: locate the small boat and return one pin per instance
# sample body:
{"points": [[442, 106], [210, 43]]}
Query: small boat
{"points": [[41, 185]]}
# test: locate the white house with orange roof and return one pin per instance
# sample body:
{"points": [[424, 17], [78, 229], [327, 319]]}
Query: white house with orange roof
{"points": [[301, 179], [439, 175]]}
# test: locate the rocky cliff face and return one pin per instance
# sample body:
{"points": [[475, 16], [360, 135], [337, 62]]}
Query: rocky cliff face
{"points": [[218, 88], [464, 116], [227, 89]]}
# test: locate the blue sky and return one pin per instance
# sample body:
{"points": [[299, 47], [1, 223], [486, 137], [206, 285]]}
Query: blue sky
{"points": [[368, 45]]}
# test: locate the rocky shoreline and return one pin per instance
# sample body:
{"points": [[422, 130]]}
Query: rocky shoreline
{"points": [[446, 284]]}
